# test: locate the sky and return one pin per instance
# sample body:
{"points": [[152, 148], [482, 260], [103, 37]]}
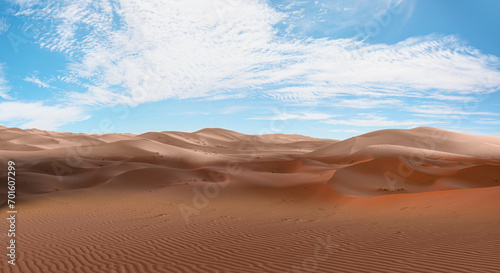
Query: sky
{"points": [[329, 69]]}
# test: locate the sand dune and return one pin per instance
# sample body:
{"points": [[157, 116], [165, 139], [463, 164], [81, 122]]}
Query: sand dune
{"points": [[417, 160], [419, 200]]}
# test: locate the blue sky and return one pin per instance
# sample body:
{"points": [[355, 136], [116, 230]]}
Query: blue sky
{"points": [[330, 69]]}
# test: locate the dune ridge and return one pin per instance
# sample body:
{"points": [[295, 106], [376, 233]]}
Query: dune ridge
{"points": [[417, 160]]}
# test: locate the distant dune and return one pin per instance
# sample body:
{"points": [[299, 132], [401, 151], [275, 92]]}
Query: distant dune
{"points": [[221, 201], [418, 160]]}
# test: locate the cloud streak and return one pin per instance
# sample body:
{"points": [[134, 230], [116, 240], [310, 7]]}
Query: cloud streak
{"points": [[4, 26], [37, 115], [35, 80], [302, 116], [488, 121], [369, 120], [4, 85], [446, 110]]}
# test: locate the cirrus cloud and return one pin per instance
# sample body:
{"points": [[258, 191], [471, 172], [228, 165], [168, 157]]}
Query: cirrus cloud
{"points": [[370, 120], [132, 52], [300, 116], [4, 85]]}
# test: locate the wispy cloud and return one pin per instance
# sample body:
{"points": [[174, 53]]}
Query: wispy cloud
{"points": [[369, 120], [446, 110], [38, 115], [35, 80], [488, 121], [4, 85], [235, 109], [365, 103], [4, 26], [140, 51], [301, 116], [344, 131], [27, 3]]}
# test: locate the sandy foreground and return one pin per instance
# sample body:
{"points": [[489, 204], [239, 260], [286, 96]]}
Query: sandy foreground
{"points": [[419, 200]]}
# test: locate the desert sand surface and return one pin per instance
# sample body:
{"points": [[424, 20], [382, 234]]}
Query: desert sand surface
{"points": [[418, 200]]}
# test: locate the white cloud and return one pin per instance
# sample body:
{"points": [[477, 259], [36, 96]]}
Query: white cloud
{"points": [[35, 80], [4, 85], [26, 3], [4, 26], [302, 116], [235, 109], [37, 115], [446, 110], [488, 121], [365, 103], [413, 68], [377, 121], [141, 51], [344, 131]]}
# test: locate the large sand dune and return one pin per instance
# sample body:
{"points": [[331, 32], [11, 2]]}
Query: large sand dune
{"points": [[419, 200]]}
